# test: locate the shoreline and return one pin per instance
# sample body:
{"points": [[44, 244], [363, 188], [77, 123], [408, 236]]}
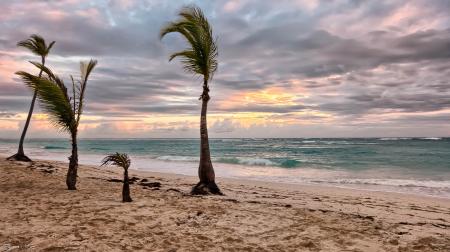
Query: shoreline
{"points": [[253, 215], [256, 182], [356, 165], [359, 187]]}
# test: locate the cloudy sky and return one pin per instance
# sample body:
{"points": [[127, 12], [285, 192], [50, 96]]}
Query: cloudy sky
{"points": [[298, 68]]}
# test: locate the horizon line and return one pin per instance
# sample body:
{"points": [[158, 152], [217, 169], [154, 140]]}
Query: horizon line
{"points": [[143, 138]]}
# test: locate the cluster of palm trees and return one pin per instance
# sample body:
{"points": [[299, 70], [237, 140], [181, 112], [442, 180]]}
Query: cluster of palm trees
{"points": [[65, 109]]}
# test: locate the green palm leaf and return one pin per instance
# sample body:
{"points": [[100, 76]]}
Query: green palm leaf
{"points": [[117, 159], [59, 82], [201, 57], [53, 98], [36, 44]]}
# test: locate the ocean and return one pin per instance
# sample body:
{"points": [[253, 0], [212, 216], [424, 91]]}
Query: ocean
{"points": [[407, 165]]}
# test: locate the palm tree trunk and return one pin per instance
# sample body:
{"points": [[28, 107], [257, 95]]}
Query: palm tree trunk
{"points": [[71, 179], [126, 188], [206, 173], [20, 155]]}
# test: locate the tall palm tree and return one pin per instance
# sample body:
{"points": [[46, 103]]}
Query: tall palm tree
{"points": [[199, 58], [36, 44], [64, 110], [121, 160]]}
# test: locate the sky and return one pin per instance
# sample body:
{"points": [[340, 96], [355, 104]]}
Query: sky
{"points": [[298, 68]]}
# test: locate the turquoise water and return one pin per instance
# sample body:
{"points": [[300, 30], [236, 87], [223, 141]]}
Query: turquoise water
{"points": [[413, 165]]}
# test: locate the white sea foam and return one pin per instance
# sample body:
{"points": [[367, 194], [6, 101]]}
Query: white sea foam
{"points": [[394, 138], [255, 161], [391, 182], [228, 160], [178, 158], [231, 140], [408, 138], [431, 138]]}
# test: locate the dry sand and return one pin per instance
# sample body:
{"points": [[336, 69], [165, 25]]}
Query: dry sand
{"points": [[37, 213]]}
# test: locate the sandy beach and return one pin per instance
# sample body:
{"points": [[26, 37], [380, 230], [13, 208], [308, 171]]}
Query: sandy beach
{"points": [[39, 214]]}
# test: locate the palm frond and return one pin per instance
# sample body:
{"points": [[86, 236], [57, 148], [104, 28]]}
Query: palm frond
{"points": [[201, 57], [53, 77], [36, 44], [53, 98], [189, 60], [86, 69], [174, 27], [64, 111], [75, 93], [117, 159], [50, 46]]}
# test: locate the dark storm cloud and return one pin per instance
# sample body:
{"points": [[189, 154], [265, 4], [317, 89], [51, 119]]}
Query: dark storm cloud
{"points": [[363, 104], [141, 74], [322, 54], [165, 108], [429, 119], [423, 45], [117, 89], [13, 89], [15, 103], [249, 84]]}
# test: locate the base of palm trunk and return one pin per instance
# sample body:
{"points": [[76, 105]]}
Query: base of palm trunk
{"points": [[19, 157], [71, 177], [126, 192], [71, 181], [71, 188], [127, 199], [203, 188]]}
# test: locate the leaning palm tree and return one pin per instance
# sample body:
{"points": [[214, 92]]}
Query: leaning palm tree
{"points": [[64, 110], [36, 44], [121, 160], [199, 58]]}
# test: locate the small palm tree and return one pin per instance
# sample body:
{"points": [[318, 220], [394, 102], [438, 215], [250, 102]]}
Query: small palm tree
{"points": [[121, 160], [199, 58], [64, 110], [36, 44]]}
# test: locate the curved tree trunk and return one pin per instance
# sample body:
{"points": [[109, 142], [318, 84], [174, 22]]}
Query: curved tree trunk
{"points": [[126, 188], [20, 155], [71, 178], [206, 173]]}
